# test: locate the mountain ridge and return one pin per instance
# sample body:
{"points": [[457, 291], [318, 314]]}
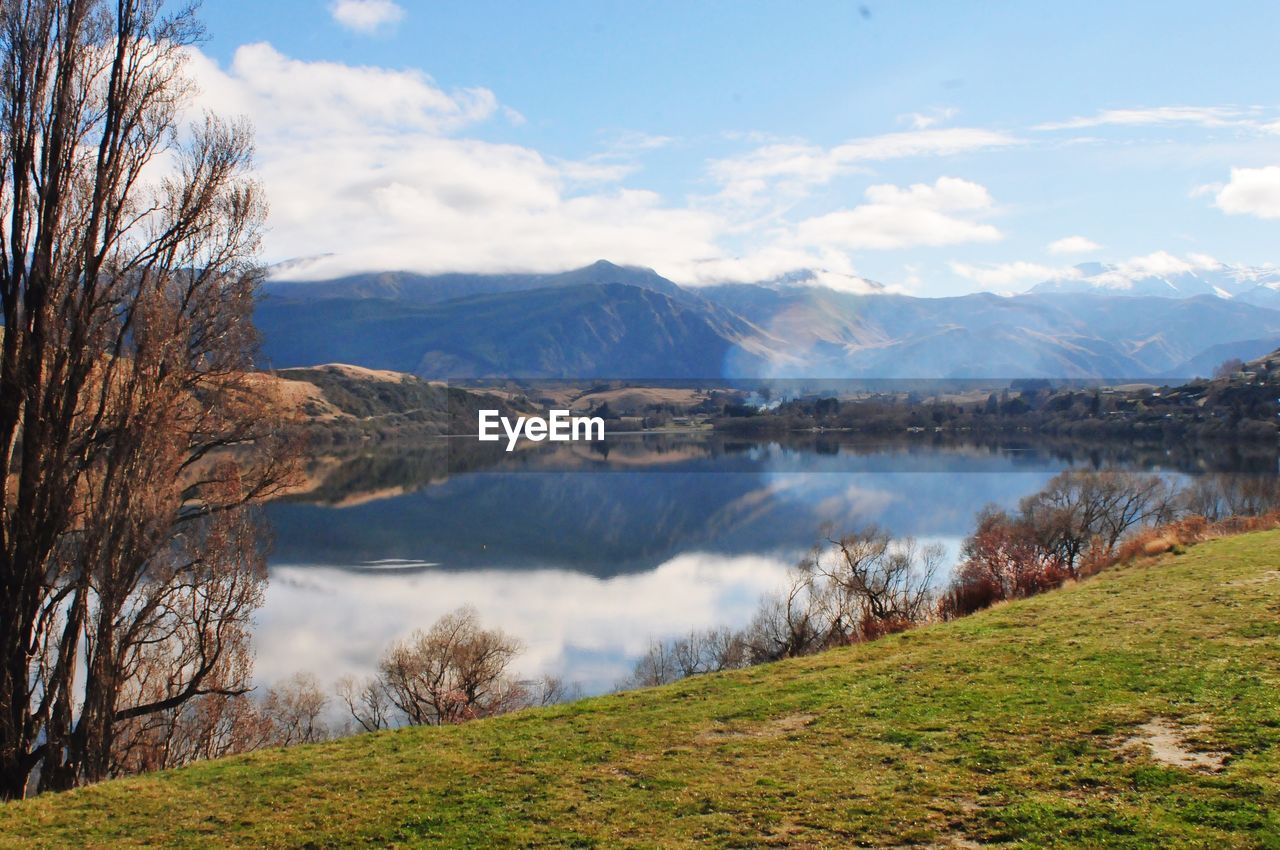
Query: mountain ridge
{"points": [[415, 288], [609, 321], [1258, 285], [595, 330]]}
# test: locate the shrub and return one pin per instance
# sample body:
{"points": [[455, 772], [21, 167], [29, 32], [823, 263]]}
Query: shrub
{"points": [[453, 672], [1003, 559], [872, 627], [971, 589]]}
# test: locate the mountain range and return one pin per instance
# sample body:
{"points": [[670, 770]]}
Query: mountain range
{"points": [[1179, 279], [609, 321]]}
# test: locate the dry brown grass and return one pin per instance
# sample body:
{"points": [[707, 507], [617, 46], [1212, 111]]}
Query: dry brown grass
{"points": [[1153, 542]]}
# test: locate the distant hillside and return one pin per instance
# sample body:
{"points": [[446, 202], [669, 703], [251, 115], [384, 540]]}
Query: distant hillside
{"points": [[1204, 363], [1269, 362], [833, 334], [1135, 709], [591, 330], [606, 321], [1238, 407], [418, 289], [340, 403]]}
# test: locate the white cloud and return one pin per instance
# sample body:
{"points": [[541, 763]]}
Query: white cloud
{"points": [[925, 120], [1204, 116], [921, 214], [1114, 276], [1164, 263], [369, 167], [1122, 275], [376, 168], [794, 167], [365, 166], [620, 159], [1006, 275], [317, 100], [629, 141], [1118, 276], [1073, 245], [366, 16], [1251, 191], [597, 171], [782, 256]]}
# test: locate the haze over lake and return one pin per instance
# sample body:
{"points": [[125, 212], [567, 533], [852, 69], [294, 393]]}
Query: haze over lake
{"points": [[587, 553]]}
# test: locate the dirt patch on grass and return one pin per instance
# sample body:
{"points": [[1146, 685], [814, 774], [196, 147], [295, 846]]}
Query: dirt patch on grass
{"points": [[1169, 743], [959, 842], [1262, 578], [950, 842], [779, 728]]}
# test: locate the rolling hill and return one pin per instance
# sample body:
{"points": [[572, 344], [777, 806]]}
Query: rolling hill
{"points": [[1136, 709], [341, 403]]}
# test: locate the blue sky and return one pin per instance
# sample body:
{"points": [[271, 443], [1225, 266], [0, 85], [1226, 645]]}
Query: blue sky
{"points": [[938, 147]]}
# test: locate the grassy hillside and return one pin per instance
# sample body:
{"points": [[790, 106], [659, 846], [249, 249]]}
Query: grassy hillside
{"points": [[1033, 723], [351, 404]]}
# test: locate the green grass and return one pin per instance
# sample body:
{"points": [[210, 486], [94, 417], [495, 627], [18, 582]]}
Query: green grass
{"points": [[1004, 728]]}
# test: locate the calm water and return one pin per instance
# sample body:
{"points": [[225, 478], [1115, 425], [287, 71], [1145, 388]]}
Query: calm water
{"points": [[588, 553]]}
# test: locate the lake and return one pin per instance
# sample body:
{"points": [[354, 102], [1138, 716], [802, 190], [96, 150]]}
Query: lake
{"points": [[589, 552]]}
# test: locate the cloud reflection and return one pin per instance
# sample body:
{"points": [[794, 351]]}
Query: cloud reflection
{"points": [[336, 622]]}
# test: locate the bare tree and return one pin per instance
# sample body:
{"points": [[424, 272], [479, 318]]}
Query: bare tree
{"points": [[551, 690], [859, 587], [367, 702], [710, 651], [656, 667], [1079, 510], [206, 727], [217, 725], [886, 582], [453, 672], [1216, 496], [132, 435], [706, 651], [294, 711], [804, 618]]}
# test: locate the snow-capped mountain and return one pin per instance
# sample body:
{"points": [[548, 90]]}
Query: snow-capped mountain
{"points": [[610, 321], [827, 279], [1166, 276]]}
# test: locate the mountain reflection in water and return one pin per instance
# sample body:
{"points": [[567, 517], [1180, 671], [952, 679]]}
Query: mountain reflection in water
{"points": [[588, 551]]}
